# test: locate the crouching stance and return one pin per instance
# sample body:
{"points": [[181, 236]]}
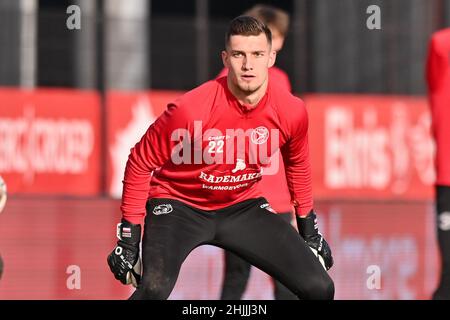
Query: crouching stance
{"points": [[195, 176]]}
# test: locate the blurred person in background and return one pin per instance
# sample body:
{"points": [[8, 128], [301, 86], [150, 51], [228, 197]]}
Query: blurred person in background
{"points": [[1, 267], [237, 270], [219, 203], [438, 79], [3, 197]]}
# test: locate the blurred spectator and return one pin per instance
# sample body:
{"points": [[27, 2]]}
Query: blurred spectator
{"points": [[438, 78], [2, 205]]}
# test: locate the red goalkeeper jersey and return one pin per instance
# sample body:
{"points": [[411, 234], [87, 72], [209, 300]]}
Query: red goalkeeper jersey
{"points": [[438, 78], [209, 151], [278, 197]]}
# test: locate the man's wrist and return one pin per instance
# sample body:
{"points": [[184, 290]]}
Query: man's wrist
{"points": [[301, 210]]}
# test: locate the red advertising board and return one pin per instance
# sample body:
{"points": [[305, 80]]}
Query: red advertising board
{"points": [[50, 141], [382, 250], [372, 161], [371, 147], [129, 116], [57, 249]]}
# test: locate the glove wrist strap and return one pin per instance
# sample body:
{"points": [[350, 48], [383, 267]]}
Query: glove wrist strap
{"points": [[307, 226], [129, 233]]}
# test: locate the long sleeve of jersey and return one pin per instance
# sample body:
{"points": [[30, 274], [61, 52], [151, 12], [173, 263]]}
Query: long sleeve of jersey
{"points": [[296, 160], [152, 151]]}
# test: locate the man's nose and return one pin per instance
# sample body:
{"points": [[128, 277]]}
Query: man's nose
{"points": [[247, 64]]}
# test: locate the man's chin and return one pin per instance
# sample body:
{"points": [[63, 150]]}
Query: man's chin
{"points": [[248, 88]]}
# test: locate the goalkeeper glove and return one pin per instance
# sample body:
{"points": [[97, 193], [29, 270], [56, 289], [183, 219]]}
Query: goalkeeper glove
{"points": [[124, 260], [309, 230]]}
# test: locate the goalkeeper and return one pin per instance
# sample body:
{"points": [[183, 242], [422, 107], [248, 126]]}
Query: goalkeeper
{"points": [[206, 154], [237, 270]]}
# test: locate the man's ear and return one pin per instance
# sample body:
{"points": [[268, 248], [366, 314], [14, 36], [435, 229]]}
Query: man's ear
{"points": [[272, 58], [225, 58]]}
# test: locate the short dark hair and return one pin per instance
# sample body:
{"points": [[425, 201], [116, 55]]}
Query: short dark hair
{"points": [[247, 26], [273, 17]]}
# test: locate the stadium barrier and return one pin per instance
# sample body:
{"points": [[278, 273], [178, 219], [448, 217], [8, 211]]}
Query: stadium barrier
{"points": [[372, 162]]}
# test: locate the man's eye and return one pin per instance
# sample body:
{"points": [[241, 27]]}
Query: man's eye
{"points": [[259, 54], [237, 55]]}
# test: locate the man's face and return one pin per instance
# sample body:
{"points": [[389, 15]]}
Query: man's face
{"points": [[248, 59]]}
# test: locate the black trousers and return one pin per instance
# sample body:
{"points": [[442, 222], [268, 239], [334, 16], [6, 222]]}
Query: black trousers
{"points": [[237, 273], [443, 233], [253, 233]]}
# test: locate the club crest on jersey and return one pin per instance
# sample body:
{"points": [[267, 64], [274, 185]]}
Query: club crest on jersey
{"points": [[260, 135], [162, 209]]}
